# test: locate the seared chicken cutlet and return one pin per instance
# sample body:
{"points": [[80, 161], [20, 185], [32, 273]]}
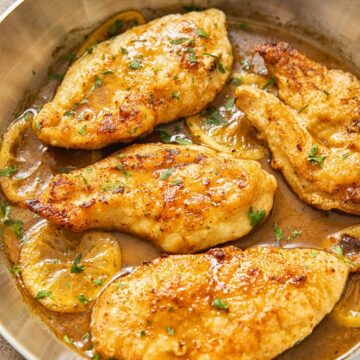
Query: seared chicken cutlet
{"points": [[225, 304], [322, 176], [328, 101], [152, 74], [183, 198]]}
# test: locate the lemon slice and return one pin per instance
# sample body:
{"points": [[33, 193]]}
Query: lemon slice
{"points": [[347, 311], [66, 271], [27, 165], [116, 25], [225, 128]]}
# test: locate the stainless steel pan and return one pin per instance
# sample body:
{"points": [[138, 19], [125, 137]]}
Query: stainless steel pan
{"points": [[31, 29]]}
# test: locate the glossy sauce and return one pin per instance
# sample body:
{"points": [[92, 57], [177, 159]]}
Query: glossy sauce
{"points": [[302, 225]]}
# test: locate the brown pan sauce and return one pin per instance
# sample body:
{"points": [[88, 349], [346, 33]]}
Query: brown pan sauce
{"points": [[302, 225]]}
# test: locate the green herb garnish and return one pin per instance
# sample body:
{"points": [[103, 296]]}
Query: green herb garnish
{"points": [[230, 104], [18, 228], [235, 81], [8, 171], [115, 27], [202, 33], [42, 294], [175, 95], [270, 82], [56, 76], [316, 159], [338, 251], [14, 269], [107, 72], [303, 108], [166, 173], [179, 41], [76, 267], [82, 130], [69, 113], [124, 171], [192, 55], [256, 216], [214, 118], [83, 299], [220, 304], [124, 51], [279, 234], [135, 64], [99, 282], [170, 330]]}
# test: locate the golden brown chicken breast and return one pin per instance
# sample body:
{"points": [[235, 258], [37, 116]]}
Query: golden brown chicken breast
{"points": [[226, 304], [328, 101], [152, 74], [323, 176], [183, 198]]}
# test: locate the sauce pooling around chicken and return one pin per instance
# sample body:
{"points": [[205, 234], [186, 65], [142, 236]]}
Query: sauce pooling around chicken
{"points": [[290, 224]]}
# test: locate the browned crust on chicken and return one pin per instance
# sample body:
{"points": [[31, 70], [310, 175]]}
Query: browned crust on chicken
{"points": [[183, 198], [225, 304]]}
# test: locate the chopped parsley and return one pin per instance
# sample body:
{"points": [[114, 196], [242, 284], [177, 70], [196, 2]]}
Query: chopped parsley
{"points": [[70, 57], [220, 304], [124, 51], [91, 49], [179, 41], [123, 170], [67, 339], [135, 64], [42, 294], [83, 299], [345, 155], [76, 267], [192, 56], [314, 253], [243, 26], [115, 27], [230, 104], [95, 357], [56, 76], [99, 282], [235, 80], [212, 55], [18, 228], [338, 251], [86, 336], [176, 182], [175, 95], [170, 330], [221, 67], [82, 130], [279, 233], [202, 33], [107, 72], [303, 108], [14, 269], [256, 216], [69, 113], [81, 176], [165, 137], [270, 82], [214, 118], [296, 233], [316, 159], [5, 211], [182, 141], [142, 333], [166, 173], [8, 171], [97, 81]]}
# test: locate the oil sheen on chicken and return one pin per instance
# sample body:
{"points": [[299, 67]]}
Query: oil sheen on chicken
{"points": [[183, 198], [224, 304], [323, 176], [122, 88]]}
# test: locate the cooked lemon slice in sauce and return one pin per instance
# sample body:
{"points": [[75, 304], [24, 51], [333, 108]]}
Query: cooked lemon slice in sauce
{"points": [[347, 310], [27, 165], [225, 128], [66, 271], [116, 25]]}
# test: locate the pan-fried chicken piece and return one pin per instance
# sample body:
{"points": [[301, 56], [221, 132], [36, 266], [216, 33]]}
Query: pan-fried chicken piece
{"points": [[225, 304], [183, 198], [152, 74], [328, 100], [325, 177]]}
